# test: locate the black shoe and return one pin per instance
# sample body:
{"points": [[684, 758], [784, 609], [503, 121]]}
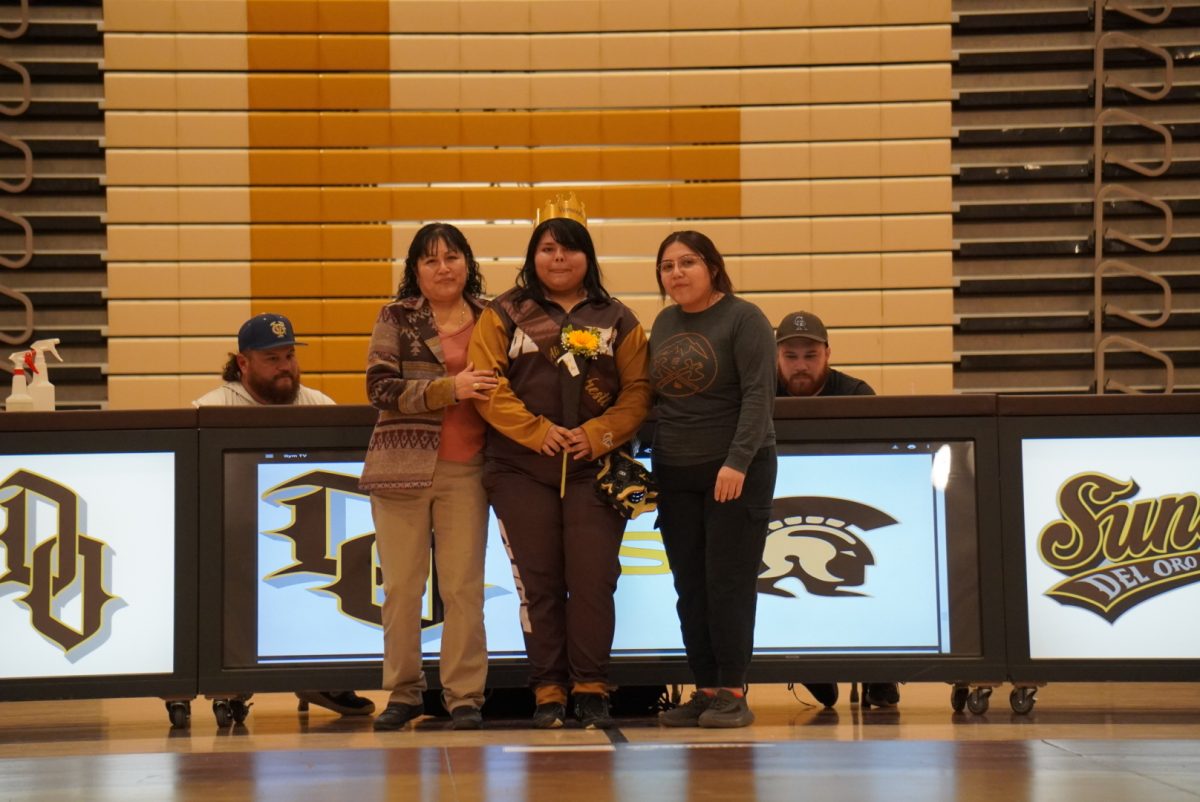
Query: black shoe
{"points": [[592, 711], [881, 694], [727, 710], [824, 692], [549, 716], [688, 713], [397, 715], [348, 703], [466, 717]]}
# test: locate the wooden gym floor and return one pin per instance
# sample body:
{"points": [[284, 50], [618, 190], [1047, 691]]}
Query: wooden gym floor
{"points": [[1093, 742]]}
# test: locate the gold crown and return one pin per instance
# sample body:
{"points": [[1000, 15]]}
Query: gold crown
{"points": [[560, 205]]}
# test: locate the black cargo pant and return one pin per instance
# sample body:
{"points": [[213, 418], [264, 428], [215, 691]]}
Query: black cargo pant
{"points": [[564, 553], [715, 550]]}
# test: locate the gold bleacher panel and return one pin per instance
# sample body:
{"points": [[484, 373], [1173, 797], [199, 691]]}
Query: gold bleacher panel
{"points": [[151, 392], [918, 344], [143, 280], [918, 307], [915, 380], [920, 269]]}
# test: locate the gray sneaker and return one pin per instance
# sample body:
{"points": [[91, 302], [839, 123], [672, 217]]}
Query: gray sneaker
{"points": [[727, 710], [688, 713]]}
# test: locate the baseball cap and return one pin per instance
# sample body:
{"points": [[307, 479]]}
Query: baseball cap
{"points": [[266, 331], [801, 324]]}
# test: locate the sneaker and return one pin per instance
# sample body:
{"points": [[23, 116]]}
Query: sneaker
{"points": [[688, 713], [592, 711], [549, 716], [348, 703], [881, 694], [397, 715], [727, 710], [466, 717], [824, 692]]}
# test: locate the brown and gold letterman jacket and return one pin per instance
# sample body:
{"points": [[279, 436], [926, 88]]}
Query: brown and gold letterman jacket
{"points": [[407, 383], [511, 338]]}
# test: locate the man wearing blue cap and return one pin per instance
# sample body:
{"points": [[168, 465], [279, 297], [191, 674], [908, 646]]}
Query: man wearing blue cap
{"points": [[265, 372]]}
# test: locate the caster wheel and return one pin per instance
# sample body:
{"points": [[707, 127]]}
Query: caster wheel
{"points": [[978, 700], [239, 710], [180, 714], [958, 697], [222, 713], [1022, 700]]}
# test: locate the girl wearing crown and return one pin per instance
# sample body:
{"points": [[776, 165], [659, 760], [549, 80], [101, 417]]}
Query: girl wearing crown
{"points": [[571, 363]]}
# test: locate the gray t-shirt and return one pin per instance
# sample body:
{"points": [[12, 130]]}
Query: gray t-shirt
{"points": [[713, 374]]}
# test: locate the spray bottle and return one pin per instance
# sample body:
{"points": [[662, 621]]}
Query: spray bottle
{"points": [[40, 388], [20, 400]]}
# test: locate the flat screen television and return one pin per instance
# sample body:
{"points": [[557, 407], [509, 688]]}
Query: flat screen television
{"points": [[97, 560], [872, 555], [1104, 525]]}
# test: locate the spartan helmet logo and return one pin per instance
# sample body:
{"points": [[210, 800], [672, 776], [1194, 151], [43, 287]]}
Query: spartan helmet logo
{"points": [[811, 538]]}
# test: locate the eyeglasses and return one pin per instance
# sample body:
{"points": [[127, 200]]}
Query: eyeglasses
{"points": [[684, 263]]}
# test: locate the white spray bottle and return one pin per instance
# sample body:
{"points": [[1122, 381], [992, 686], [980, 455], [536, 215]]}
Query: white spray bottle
{"points": [[40, 388], [20, 400]]}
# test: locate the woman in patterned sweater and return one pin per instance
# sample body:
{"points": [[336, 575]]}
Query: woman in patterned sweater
{"points": [[423, 471]]}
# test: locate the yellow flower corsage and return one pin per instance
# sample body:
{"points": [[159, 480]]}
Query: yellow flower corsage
{"points": [[582, 342]]}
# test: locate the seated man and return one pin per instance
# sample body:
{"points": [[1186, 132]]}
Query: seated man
{"points": [[265, 372], [803, 366]]}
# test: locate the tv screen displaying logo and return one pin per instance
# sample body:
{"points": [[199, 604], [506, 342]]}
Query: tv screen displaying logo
{"points": [[87, 564], [871, 550], [1112, 547]]}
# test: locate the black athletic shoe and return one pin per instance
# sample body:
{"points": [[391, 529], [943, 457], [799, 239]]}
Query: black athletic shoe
{"points": [[348, 703], [397, 714], [549, 716], [688, 713], [466, 717], [824, 692], [592, 711], [727, 710], [881, 694]]}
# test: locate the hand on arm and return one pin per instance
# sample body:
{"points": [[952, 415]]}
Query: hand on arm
{"points": [[471, 383]]}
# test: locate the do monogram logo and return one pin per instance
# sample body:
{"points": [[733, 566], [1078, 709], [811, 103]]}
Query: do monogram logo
{"points": [[59, 568], [317, 501], [278, 328]]}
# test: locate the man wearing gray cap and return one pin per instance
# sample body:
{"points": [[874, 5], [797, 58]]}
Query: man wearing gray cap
{"points": [[803, 360], [265, 372], [802, 351]]}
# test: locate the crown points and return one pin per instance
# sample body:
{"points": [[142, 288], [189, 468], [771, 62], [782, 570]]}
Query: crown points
{"points": [[560, 205]]}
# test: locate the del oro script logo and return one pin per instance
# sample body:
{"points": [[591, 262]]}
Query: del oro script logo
{"points": [[1116, 550], [59, 570]]}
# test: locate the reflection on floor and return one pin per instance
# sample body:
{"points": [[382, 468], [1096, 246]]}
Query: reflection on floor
{"points": [[1081, 741]]}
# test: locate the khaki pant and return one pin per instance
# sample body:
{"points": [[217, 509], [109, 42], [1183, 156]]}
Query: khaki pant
{"points": [[450, 517]]}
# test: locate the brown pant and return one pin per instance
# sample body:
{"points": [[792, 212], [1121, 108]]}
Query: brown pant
{"points": [[450, 517], [564, 553]]}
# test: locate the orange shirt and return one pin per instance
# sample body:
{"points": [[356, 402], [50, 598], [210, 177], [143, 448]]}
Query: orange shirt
{"points": [[462, 428]]}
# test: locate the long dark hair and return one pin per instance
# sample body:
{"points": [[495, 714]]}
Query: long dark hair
{"points": [[231, 372], [569, 234], [424, 243], [712, 259]]}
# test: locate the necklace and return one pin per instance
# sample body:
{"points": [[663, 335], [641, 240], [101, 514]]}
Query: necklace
{"points": [[451, 325]]}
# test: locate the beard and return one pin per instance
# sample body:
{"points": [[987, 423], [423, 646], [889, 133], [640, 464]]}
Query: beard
{"points": [[802, 384], [281, 389]]}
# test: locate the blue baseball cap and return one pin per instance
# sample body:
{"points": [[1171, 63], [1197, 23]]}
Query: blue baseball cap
{"points": [[266, 331]]}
